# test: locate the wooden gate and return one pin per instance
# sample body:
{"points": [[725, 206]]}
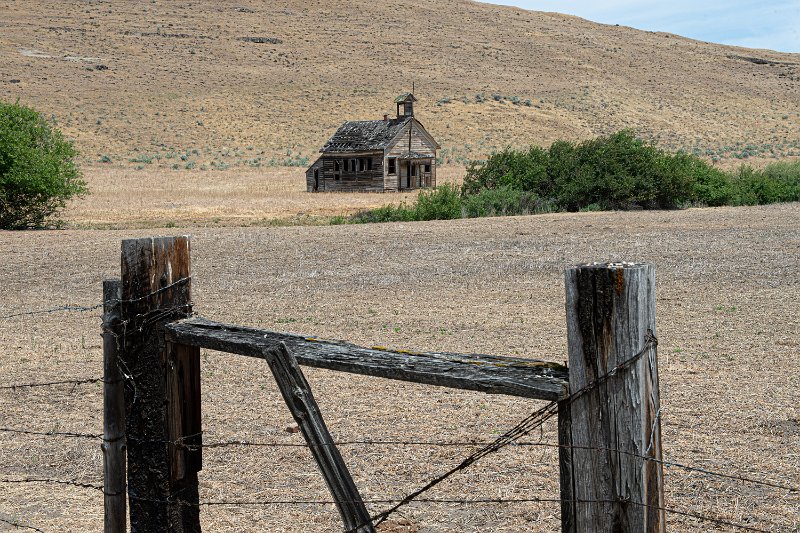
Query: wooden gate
{"points": [[608, 398]]}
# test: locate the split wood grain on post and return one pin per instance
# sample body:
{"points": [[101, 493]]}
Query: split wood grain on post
{"points": [[607, 428], [156, 289], [114, 484]]}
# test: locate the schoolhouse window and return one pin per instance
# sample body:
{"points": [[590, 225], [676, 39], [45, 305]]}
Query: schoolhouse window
{"points": [[362, 164], [413, 170], [336, 165], [369, 163], [392, 165], [427, 168], [353, 165]]}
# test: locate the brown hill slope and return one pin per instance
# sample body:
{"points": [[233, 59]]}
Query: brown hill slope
{"points": [[180, 83]]}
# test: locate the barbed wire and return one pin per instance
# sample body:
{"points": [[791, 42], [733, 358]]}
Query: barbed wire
{"points": [[458, 501], [385, 501], [530, 423], [52, 433], [405, 442], [86, 308], [461, 444], [72, 482], [52, 383], [12, 523], [60, 308], [525, 427], [472, 501]]}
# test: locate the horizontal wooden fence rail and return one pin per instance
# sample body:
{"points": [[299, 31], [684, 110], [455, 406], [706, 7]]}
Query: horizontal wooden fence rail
{"points": [[512, 376]]}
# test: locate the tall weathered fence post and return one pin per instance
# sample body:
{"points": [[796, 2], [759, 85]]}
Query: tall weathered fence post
{"points": [[162, 396], [113, 414], [610, 428]]}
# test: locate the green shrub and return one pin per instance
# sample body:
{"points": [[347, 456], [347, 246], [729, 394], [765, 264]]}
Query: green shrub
{"points": [[618, 171], [778, 182], [387, 213], [788, 175], [442, 203], [711, 187], [509, 168], [38, 174], [503, 201]]}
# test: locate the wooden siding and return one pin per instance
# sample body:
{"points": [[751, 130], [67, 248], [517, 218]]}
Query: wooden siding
{"points": [[374, 176], [331, 180], [310, 175], [420, 144]]}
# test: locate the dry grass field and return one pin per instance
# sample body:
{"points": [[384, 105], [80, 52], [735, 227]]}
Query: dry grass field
{"points": [[176, 84], [129, 198], [727, 322]]}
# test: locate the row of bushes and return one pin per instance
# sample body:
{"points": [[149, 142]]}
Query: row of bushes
{"points": [[613, 172], [620, 171], [447, 202]]}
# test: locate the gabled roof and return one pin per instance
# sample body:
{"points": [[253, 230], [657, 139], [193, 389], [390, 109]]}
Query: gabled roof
{"points": [[364, 135], [405, 97]]}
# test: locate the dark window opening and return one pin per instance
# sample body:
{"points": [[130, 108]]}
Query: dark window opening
{"points": [[336, 165], [392, 165], [413, 170], [362, 164], [369, 164], [427, 168], [353, 165]]}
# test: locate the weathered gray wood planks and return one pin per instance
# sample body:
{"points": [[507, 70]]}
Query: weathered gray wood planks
{"points": [[608, 431], [297, 394], [513, 376], [115, 489]]}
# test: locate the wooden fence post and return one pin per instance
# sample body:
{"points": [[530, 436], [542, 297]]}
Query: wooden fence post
{"points": [[608, 431], [163, 386], [113, 414]]}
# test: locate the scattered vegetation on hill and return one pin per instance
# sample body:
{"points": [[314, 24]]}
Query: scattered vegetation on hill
{"points": [[615, 172], [38, 174]]}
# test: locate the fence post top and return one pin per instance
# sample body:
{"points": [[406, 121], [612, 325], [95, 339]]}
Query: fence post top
{"points": [[167, 238], [614, 265]]}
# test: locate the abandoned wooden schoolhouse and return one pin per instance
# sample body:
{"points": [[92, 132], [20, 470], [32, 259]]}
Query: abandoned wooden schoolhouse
{"points": [[393, 154]]}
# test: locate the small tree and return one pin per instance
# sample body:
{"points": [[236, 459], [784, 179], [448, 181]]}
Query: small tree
{"points": [[38, 174]]}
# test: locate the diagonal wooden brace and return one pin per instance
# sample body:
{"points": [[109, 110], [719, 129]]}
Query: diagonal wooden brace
{"points": [[297, 394]]}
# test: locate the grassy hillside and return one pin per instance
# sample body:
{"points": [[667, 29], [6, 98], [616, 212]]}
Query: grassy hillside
{"points": [[181, 84]]}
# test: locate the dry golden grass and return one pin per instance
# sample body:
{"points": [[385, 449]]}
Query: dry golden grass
{"points": [[727, 324], [180, 81], [128, 198]]}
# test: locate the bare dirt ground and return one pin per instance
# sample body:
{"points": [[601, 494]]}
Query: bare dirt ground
{"points": [[727, 322]]}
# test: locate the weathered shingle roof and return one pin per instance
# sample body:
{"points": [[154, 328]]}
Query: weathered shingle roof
{"points": [[405, 97], [364, 135]]}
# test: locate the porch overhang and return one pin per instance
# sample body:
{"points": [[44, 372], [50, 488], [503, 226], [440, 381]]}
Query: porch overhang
{"points": [[413, 156]]}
